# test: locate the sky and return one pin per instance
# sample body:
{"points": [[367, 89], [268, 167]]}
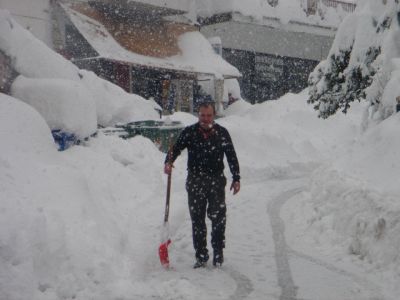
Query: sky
{"points": [[316, 218]]}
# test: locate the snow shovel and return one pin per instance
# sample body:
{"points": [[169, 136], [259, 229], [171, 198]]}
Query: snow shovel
{"points": [[165, 240]]}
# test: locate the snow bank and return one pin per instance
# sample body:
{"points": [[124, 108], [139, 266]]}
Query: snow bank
{"points": [[287, 132], [114, 105], [22, 131], [185, 118], [30, 56], [231, 86], [77, 224], [85, 223], [350, 213], [33, 59], [354, 201], [237, 107], [65, 105]]}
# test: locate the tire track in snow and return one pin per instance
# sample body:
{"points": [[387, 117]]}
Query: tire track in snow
{"points": [[244, 287], [285, 278], [282, 251]]}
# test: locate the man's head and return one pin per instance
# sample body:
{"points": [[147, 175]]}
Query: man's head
{"points": [[206, 115]]}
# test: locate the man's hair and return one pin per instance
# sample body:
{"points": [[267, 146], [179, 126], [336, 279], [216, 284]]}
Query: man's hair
{"points": [[207, 104]]}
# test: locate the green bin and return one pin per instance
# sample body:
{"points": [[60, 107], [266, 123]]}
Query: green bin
{"points": [[162, 133]]}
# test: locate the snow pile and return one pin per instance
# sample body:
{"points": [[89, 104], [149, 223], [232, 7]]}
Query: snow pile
{"points": [[231, 86], [73, 224], [361, 63], [37, 63], [285, 10], [356, 198], [64, 104], [22, 131], [85, 223], [352, 207], [30, 56], [286, 132], [114, 105]]}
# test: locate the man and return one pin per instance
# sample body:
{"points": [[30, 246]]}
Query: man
{"points": [[207, 143]]}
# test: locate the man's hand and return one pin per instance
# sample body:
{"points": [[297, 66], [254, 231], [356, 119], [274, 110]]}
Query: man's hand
{"points": [[168, 168], [235, 186]]}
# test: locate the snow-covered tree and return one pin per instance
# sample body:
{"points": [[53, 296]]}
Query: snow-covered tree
{"points": [[363, 63]]}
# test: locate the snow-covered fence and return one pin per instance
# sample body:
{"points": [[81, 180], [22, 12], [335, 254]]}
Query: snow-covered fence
{"points": [[311, 6], [347, 6]]}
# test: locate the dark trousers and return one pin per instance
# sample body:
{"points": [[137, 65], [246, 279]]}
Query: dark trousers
{"points": [[206, 194]]}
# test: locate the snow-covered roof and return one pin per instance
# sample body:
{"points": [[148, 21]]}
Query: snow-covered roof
{"points": [[196, 54], [178, 5], [286, 11]]}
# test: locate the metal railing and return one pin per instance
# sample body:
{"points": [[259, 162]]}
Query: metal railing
{"points": [[349, 7], [311, 6]]}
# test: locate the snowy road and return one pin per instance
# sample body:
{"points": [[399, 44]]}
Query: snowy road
{"points": [[259, 262]]}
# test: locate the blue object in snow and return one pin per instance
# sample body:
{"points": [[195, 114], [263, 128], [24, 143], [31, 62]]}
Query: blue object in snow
{"points": [[63, 139]]}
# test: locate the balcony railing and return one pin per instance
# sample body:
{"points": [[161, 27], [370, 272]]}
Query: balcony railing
{"points": [[311, 6], [349, 7]]}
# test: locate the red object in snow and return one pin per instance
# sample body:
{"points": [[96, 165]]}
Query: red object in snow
{"points": [[163, 253]]}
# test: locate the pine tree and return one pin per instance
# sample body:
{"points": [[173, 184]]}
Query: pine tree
{"points": [[355, 70]]}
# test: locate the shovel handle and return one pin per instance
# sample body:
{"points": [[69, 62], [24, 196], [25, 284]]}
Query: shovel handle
{"points": [[167, 199], [168, 186]]}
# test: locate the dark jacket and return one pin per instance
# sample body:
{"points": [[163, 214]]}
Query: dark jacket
{"points": [[206, 150]]}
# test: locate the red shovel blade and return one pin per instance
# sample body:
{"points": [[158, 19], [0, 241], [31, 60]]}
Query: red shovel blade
{"points": [[163, 253]]}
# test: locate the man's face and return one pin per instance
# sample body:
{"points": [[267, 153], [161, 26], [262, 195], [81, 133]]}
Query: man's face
{"points": [[206, 117]]}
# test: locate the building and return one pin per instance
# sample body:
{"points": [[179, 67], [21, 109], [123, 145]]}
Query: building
{"points": [[147, 49], [273, 57]]}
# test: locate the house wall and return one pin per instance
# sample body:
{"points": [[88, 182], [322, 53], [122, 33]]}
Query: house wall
{"points": [[266, 77], [273, 59], [270, 40]]}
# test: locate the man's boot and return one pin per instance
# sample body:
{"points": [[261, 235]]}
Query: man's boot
{"points": [[218, 259], [199, 264], [201, 259]]}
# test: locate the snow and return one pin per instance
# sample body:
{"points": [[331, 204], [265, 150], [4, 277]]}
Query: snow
{"points": [[36, 18], [31, 57], [85, 223], [65, 104], [29, 125], [316, 217], [71, 93], [231, 86], [370, 38], [196, 54], [286, 11], [114, 105], [172, 4]]}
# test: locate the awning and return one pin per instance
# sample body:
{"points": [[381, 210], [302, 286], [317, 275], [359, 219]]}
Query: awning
{"points": [[196, 54]]}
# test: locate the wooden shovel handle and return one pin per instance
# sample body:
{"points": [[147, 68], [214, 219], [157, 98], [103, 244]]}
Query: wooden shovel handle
{"points": [[167, 199], [168, 185]]}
